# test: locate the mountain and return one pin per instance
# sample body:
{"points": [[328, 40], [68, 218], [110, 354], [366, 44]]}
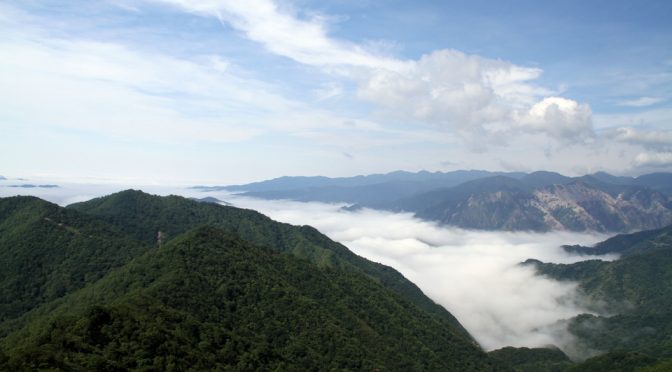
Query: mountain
{"points": [[615, 180], [48, 251], [532, 359], [209, 300], [631, 297], [210, 199], [657, 181], [543, 178], [503, 203], [538, 201], [142, 215], [364, 190], [228, 288], [294, 183], [32, 186]]}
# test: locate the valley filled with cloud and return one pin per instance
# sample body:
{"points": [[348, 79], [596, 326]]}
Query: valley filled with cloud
{"points": [[473, 274]]}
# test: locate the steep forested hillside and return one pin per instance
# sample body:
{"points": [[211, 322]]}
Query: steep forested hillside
{"points": [[633, 294], [48, 251], [143, 215], [208, 300], [228, 288]]}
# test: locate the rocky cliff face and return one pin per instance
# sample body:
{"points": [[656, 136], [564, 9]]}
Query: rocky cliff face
{"points": [[579, 206], [576, 206]]}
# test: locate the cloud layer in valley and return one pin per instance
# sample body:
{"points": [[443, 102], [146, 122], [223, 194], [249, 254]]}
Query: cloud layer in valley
{"points": [[473, 274]]}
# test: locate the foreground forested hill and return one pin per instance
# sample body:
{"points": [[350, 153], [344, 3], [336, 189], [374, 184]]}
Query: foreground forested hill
{"points": [[229, 288]]}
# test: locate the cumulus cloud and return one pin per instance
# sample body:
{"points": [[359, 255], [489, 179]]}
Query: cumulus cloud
{"points": [[561, 118], [473, 274], [450, 88]]}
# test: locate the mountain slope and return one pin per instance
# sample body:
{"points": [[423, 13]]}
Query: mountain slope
{"points": [[634, 294], [48, 251], [209, 300], [363, 190], [142, 215], [502, 203], [538, 201]]}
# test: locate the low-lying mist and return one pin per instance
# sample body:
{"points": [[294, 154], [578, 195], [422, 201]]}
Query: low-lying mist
{"points": [[473, 274]]}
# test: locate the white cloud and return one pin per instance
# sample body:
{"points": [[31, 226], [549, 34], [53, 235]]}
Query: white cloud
{"points": [[641, 102], [110, 89], [452, 89], [561, 118], [283, 33], [651, 139], [653, 160], [653, 118], [478, 97], [475, 97], [328, 91]]}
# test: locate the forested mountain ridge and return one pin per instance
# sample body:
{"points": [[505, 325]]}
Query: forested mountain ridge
{"points": [[229, 288], [209, 300], [142, 215], [48, 251], [633, 294]]}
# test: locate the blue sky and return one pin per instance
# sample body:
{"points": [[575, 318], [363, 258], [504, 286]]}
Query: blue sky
{"points": [[181, 91]]}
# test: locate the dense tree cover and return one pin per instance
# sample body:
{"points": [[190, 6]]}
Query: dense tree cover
{"points": [[634, 293], [628, 244], [621, 361], [48, 251], [209, 298], [532, 359], [142, 215]]}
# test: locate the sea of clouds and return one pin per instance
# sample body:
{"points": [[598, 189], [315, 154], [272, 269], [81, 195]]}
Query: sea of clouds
{"points": [[474, 274]]}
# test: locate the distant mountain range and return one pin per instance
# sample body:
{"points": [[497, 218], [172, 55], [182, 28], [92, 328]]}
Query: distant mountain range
{"points": [[538, 201], [32, 186]]}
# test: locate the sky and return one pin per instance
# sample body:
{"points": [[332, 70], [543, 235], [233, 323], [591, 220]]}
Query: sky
{"points": [[220, 92]]}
